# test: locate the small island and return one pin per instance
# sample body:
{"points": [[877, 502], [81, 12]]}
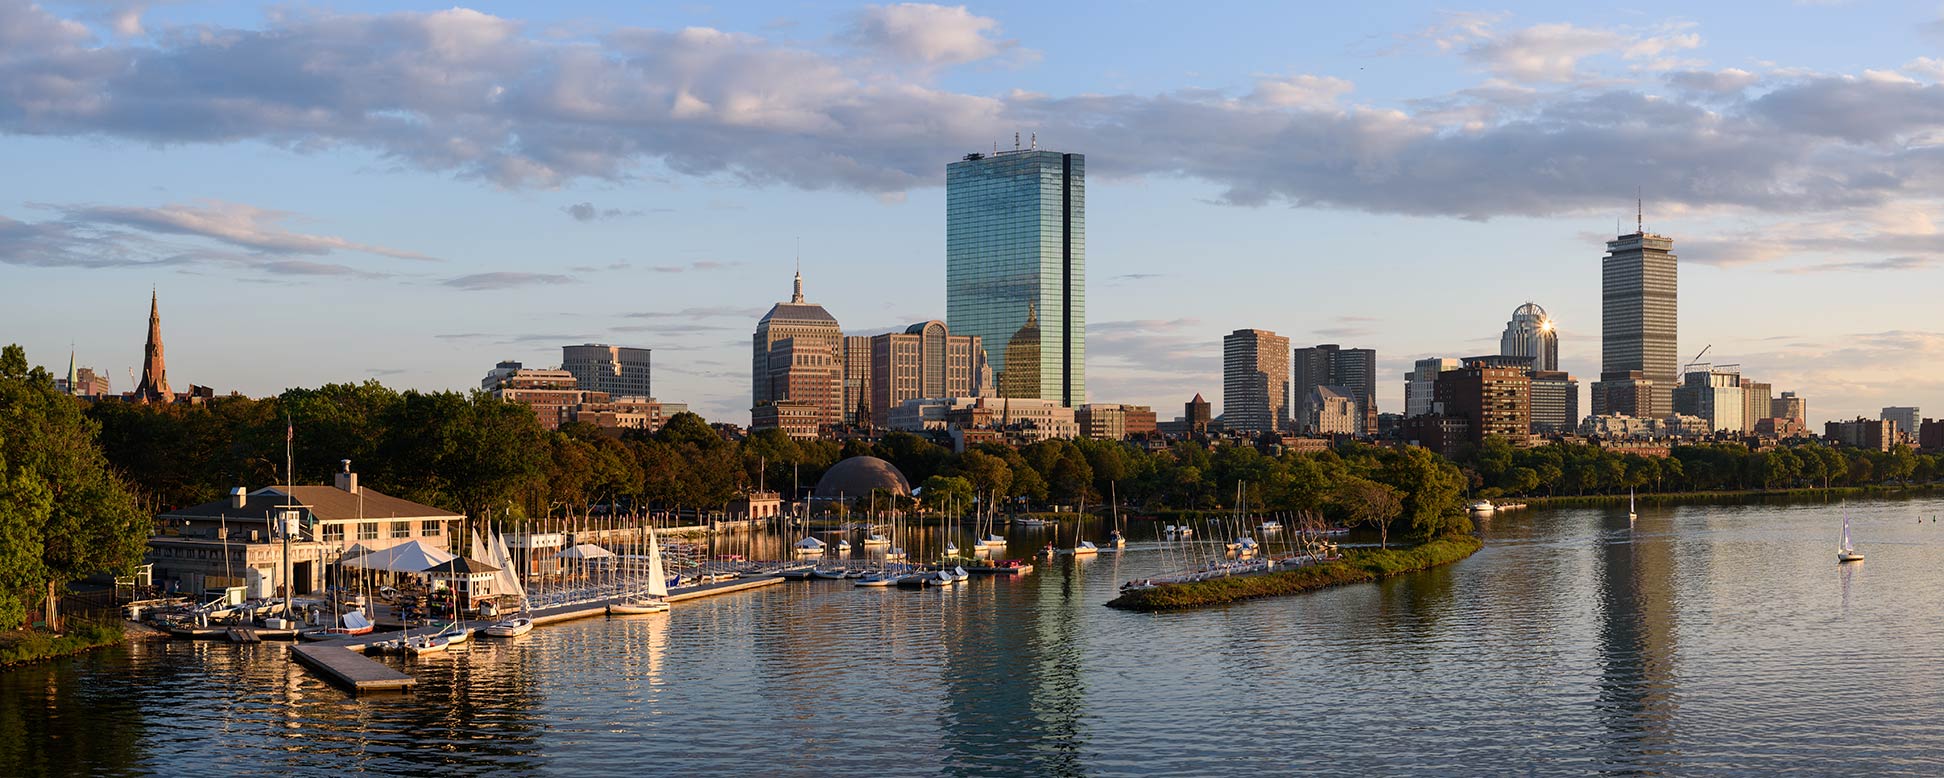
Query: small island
{"points": [[1356, 566]]}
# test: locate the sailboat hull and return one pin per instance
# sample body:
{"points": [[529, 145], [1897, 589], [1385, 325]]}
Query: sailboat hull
{"points": [[636, 608]]}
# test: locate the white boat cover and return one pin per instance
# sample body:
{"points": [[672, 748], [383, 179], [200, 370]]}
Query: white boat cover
{"points": [[356, 620], [809, 543], [408, 557]]}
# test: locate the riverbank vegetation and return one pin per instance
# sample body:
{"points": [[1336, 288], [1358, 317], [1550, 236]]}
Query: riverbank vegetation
{"points": [[1496, 468], [64, 515], [1356, 566], [21, 646]]}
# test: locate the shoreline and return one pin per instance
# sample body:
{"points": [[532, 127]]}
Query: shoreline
{"points": [[26, 647], [1669, 498], [1358, 566]]}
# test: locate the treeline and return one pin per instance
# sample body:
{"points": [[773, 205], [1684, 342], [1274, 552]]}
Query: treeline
{"points": [[1497, 468], [475, 454]]}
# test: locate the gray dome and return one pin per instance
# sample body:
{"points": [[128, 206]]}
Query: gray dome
{"points": [[857, 476]]}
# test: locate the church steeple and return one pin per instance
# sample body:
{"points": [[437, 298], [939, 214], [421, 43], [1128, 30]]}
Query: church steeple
{"points": [[155, 373]]}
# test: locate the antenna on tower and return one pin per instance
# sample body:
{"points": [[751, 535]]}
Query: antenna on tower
{"points": [[1035, 140], [1639, 211], [1015, 141]]}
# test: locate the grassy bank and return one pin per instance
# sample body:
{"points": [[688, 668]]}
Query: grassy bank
{"points": [[1672, 498], [1357, 566], [24, 646]]}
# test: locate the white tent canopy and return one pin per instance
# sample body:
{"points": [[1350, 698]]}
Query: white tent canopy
{"points": [[408, 557], [585, 551]]}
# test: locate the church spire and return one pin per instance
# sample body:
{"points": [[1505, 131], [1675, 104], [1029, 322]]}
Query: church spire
{"points": [[155, 373], [72, 388]]}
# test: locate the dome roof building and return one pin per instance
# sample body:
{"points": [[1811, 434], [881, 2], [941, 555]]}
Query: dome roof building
{"points": [[858, 476], [1531, 333]]}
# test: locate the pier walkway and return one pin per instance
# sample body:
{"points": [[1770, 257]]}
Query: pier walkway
{"points": [[341, 660]]}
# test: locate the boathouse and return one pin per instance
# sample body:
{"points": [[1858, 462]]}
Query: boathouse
{"points": [[237, 541]]}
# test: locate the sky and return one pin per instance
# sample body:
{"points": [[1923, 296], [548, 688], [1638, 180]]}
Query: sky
{"points": [[337, 192]]}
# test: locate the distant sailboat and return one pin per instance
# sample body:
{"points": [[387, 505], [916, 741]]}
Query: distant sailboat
{"points": [[1847, 552], [1630, 505], [655, 598]]}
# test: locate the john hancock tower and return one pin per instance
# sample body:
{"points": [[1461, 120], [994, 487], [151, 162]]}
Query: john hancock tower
{"points": [[1015, 267]]}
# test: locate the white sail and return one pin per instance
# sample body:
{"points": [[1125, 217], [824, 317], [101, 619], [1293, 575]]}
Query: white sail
{"points": [[478, 551], [657, 582], [507, 579]]}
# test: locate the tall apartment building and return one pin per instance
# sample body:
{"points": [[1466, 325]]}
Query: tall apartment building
{"points": [[1640, 310], [1757, 399], [620, 371], [797, 354], [1015, 267], [1531, 333], [1878, 434], [1492, 395], [926, 360], [1906, 418], [1790, 406], [1554, 402], [857, 383], [1420, 385], [1354, 369], [1331, 411], [1255, 381]]}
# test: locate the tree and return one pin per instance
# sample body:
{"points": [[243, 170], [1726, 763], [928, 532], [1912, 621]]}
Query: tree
{"points": [[1371, 504], [63, 505]]}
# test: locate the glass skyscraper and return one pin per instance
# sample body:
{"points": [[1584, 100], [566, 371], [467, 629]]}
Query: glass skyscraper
{"points": [[1015, 268]]}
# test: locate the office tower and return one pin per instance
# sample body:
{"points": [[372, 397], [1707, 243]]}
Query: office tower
{"points": [[1790, 406], [1493, 395], [619, 371], [1420, 383], [857, 383], [1354, 369], [1756, 402], [797, 354], [1906, 419], [1255, 381], [924, 361], [155, 372], [1015, 262], [1715, 395], [1554, 402], [1639, 305], [1530, 333]]}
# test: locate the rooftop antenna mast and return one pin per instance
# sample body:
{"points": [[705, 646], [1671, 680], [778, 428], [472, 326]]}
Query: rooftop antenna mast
{"points": [[1639, 211]]}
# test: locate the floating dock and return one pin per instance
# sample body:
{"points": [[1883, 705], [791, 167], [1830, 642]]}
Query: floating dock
{"points": [[341, 661]]}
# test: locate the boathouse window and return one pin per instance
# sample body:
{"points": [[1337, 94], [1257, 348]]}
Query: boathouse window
{"points": [[368, 530], [334, 533], [401, 529], [431, 529]]}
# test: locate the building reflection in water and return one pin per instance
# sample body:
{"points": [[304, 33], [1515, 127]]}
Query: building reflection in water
{"points": [[1637, 629]]}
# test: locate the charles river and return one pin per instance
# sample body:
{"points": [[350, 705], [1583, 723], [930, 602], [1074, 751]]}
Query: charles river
{"points": [[1705, 639]]}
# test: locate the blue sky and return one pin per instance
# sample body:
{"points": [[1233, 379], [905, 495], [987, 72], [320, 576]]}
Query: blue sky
{"points": [[342, 191]]}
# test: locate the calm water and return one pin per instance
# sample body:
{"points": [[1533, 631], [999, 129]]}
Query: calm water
{"points": [[1707, 639]]}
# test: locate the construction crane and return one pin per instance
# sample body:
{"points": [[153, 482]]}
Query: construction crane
{"points": [[1689, 366]]}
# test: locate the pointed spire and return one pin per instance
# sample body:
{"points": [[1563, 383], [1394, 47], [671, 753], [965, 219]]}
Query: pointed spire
{"points": [[155, 372], [72, 389], [797, 296]]}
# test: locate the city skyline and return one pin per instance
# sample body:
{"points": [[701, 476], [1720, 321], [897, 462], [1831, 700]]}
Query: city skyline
{"points": [[528, 251]]}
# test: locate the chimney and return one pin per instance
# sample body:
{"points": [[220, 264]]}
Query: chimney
{"points": [[238, 496], [347, 480]]}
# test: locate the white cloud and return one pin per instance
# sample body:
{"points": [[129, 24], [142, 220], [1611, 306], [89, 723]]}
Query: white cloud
{"points": [[927, 34]]}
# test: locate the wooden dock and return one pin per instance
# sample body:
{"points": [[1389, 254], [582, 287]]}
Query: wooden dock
{"points": [[341, 662], [350, 669]]}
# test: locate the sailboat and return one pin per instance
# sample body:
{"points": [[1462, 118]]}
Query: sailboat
{"points": [[1630, 505], [654, 598], [1115, 539], [1847, 552], [519, 623]]}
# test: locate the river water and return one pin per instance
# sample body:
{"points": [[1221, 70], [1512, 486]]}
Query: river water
{"points": [[1720, 639]]}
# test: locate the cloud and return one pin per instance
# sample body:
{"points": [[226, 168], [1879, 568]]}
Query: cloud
{"points": [[505, 280], [237, 224], [697, 266], [925, 34], [599, 268], [587, 212], [1889, 263], [701, 312]]}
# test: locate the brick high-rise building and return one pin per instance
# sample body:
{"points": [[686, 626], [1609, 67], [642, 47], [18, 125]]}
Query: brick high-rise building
{"points": [[924, 361], [1554, 403], [1493, 396], [1757, 401], [1255, 381], [1354, 369], [797, 354], [1790, 406]]}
